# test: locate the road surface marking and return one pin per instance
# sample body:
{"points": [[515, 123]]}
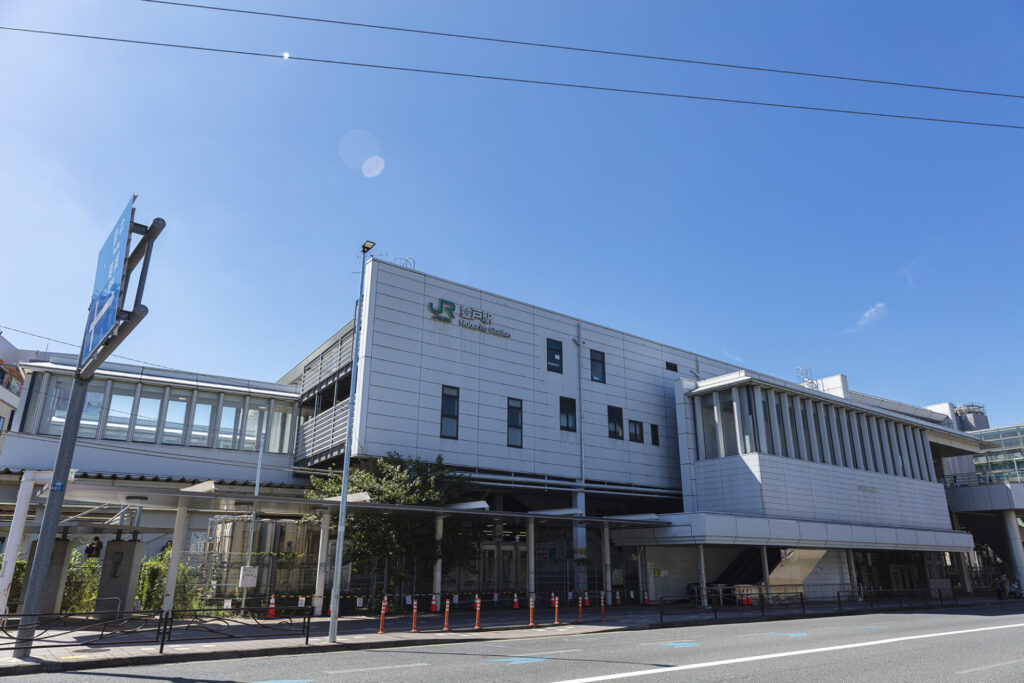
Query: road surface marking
{"points": [[376, 668], [512, 661], [549, 652], [991, 666], [687, 644], [791, 653]]}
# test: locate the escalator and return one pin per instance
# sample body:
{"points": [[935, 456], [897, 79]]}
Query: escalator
{"points": [[745, 569]]}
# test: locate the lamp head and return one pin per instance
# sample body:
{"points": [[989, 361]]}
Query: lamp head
{"points": [[368, 245]]}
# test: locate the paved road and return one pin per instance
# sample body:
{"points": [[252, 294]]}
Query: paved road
{"points": [[969, 644]]}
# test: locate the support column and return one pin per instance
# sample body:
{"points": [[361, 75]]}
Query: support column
{"points": [[853, 572], [798, 428], [764, 573], [773, 423], [737, 414], [15, 536], [321, 563], [792, 449], [435, 586], [606, 557], [579, 545], [177, 541], [761, 444], [880, 453], [1014, 541], [702, 576], [961, 561], [828, 454], [531, 556], [716, 401]]}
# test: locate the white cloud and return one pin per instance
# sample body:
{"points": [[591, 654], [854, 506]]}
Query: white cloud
{"points": [[867, 317]]}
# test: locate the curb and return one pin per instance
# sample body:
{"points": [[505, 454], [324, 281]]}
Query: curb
{"points": [[176, 657]]}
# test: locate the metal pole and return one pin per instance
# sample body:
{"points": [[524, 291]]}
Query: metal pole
{"points": [[332, 634], [15, 535], [51, 517], [252, 523]]}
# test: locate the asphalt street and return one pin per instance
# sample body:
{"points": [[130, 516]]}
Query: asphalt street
{"points": [[969, 644]]}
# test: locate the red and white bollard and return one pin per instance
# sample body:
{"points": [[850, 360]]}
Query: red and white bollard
{"points": [[476, 606], [618, 598], [433, 602], [579, 619], [272, 610], [532, 598], [385, 604], [415, 606], [556, 622], [447, 611], [383, 613], [646, 601], [586, 598], [552, 604], [602, 605], [515, 601]]}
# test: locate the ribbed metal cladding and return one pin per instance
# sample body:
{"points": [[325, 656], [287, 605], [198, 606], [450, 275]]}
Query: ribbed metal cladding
{"points": [[330, 361]]}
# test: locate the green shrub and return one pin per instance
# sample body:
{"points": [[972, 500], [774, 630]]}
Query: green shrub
{"points": [[82, 583]]}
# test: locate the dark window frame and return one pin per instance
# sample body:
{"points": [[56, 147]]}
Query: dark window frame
{"points": [[509, 422], [448, 416], [637, 435], [566, 414], [655, 437], [671, 367], [615, 423], [597, 360], [555, 356]]}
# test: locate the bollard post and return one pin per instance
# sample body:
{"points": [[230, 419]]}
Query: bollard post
{"points": [[447, 611], [476, 605], [383, 613], [556, 622], [532, 598], [415, 606], [579, 620], [602, 605]]}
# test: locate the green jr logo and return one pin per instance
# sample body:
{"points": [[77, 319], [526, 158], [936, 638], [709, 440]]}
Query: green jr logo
{"points": [[445, 310]]}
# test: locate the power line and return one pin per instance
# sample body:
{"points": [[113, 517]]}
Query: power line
{"points": [[509, 79], [574, 48], [113, 355]]}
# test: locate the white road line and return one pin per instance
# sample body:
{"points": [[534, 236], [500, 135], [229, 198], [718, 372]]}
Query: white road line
{"points": [[778, 655], [991, 666], [376, 668]]}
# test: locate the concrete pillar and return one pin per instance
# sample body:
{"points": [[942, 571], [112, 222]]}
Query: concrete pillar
{"points": [[119, 576], [737, 414], [801, 434], [698, 422], [177, 545], [828, 454], [56, 575], [579, 545], [851, 568], [1016, 559], [719, 426], [606, 557], [792, 449], [531, 556], [15, 536], [880, 453], [773, 423], [435, 586], [960, 559], [765, 573], [702, 576], [321, 563], [762, 434]]}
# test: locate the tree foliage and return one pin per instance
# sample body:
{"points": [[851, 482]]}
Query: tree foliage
{"points": [[82, 583], [405, 541]]}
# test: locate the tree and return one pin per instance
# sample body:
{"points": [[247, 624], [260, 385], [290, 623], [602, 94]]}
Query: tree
{"points": [[405, 543]]}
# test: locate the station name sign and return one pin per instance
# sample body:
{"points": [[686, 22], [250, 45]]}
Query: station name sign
{"points": [[465, 316]]}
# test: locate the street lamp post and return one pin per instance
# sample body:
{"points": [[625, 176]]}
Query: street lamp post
{"points": [[332, 634]]}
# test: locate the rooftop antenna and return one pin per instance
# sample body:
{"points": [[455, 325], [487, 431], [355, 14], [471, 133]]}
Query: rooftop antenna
{"points": [[806, 377]]}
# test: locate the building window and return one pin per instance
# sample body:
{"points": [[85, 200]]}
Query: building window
{"points": [[202, 420], [515, 423], [281, 428], [147, 415], [119, 412], [2, 423], [655, 440], [554, 355], [255, 423], [174, 420], [229, 429], [92, 410], [636, 431], [597, 366], [567, 414], [57, 400], [614, 422], [449, 412], [671, 367]]}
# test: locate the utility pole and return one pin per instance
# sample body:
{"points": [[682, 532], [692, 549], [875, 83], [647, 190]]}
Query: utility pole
{"points": [[107, 325]]}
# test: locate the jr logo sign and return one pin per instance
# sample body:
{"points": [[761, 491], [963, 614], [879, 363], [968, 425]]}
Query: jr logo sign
{"points": [[444, 311]]}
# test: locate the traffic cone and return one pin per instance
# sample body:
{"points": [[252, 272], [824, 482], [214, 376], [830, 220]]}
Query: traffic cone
{"points": [[433, 602], [515, 601], [618, 598], [552, 604], [586, 599], [646, 601], [272, 610]]}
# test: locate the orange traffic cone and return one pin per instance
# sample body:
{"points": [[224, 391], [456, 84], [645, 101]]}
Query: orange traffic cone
{"points": [[586, 599], [272, 610], [618, 598], [433, 602], [646, 601], [515, 601]]}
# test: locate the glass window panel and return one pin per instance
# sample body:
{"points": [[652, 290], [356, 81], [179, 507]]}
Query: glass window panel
{"points": [[567, 414], [230, 426], [615, 430], [655, 437], [636, 431], [148, 414], [92, 410], [449, 412], [515, 423], [554, 355], [119, 413], [202, 419], [707, 407], [597, 366], [281, 428], [255, 422], [177, 412], [57, 399], [728, 423]]}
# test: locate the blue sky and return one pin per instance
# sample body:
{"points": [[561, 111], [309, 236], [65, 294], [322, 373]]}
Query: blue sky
{"points": [[888, 250]]}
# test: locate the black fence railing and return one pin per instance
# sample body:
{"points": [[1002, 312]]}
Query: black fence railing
{"points": [[155, 626]]}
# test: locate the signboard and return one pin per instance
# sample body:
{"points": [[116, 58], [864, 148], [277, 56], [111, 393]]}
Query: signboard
{"points": [[465, 316], [109, 285]]}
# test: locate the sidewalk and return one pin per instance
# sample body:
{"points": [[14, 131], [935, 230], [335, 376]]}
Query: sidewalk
{"points": [[224, 639]]}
